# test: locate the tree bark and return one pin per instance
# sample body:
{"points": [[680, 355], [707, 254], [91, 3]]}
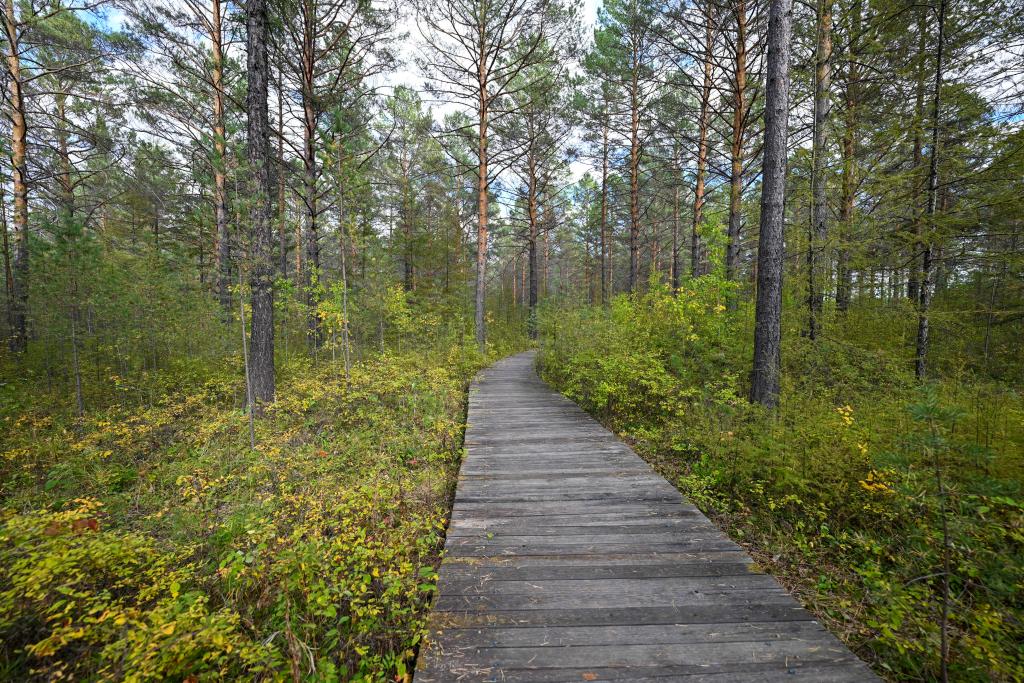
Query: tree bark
{"points": [[764, 387], [482, 187], [675, 239], [605, 275], [309, 182], [816, 272], [849, 153], [533, 219], [261, 340], [634, 172], [220, 208], [921, 356], [407, 227], [739, 113], [698, 248], [19, 176], [346, 342], [546, 228], [8, 274], [282, 207], [914, 281]]}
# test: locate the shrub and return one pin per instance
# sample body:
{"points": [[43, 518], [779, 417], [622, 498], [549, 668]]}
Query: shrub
{"points": [[838, 490]]}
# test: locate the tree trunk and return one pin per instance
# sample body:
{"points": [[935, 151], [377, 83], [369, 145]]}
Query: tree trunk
{"points": [[282, 208], [312, 238], [844, 279], [545, 234], [19, 175], [531, 246], [220, 201], [8, 274], [346, 342], [914, 281], [921, 356], [736, 153], [675, 238], [605, 274], [698, 249], [816, 272], [481, 231], [407, 218], [634, 174], [261, 277], [764, 387]]}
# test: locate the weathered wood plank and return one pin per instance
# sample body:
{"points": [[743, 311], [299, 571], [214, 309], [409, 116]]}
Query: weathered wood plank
{"points": [[699, 656], [668, 587], [601, 559], [624, 616], [634, 634], [569, 559], [455, 571]]}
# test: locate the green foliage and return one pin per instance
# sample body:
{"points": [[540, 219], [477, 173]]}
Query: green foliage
{"points": [[149, 542], [839, 490], [80, 601]]}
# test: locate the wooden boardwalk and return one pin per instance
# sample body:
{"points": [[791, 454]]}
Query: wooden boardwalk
{"points": [[569, 559]]}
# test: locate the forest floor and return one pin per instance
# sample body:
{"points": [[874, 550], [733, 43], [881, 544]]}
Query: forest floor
{"points": [[855, 494], [149, 540], [149, 537]]}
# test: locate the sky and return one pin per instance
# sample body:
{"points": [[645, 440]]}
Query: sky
{"points": [[409, 75]]}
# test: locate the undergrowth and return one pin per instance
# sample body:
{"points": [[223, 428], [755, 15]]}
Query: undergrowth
{"points": [[846, 491], [148, 541]]}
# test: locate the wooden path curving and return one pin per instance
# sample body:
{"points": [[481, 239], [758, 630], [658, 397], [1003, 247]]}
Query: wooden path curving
{"points": [[569, 559]]}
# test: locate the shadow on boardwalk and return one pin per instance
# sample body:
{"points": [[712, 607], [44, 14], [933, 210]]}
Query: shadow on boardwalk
{"points": [[569, 559]]}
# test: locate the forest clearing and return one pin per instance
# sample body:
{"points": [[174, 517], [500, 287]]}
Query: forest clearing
{"points": [[256, 253]]}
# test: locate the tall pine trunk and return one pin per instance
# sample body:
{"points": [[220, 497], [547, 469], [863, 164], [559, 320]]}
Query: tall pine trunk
{"points": [[282, 207], [534, 219], [634, 175], [818, 233], [406, 216], [844, 278], [19, 176], [921, 356], [605, 269], [914, 280], [764, 388], [675, 238], [261, 275], [698, 249], [8, 273], [739, 113], [220, 202], [312, 236], [481, 230]]}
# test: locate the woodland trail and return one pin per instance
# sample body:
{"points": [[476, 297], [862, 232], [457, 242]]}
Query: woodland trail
{"points": [[569, 559]]}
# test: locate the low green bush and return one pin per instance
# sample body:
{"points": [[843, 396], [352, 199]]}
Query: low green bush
{"points": [[857, 492], [150, 542]]}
